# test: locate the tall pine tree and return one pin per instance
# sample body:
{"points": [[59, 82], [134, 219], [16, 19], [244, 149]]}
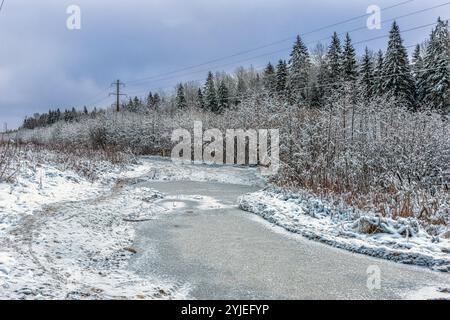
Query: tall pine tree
{"points": [[299, 69], [181, 99], [378, 75], [222, 97], [281, 79], [366, 81], [397, 78], [334, 64], [210, 93], [434, 86], [270, 79], [349, 63], [200, 99]]}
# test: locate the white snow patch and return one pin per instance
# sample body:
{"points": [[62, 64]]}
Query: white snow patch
{"points": [[402, 240]]}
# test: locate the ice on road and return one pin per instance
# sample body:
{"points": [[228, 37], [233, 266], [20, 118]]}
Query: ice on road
{"points": [[225, 253]]}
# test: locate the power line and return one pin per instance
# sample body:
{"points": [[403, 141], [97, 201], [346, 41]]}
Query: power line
{"points": [[287, 48], [307, 43], [267, 45], [356, 43], [118, 85], [260, 47]]}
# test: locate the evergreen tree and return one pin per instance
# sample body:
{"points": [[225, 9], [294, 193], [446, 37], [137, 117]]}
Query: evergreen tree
{"points": [[150, 100], [241, 89], [397, 80], [417, 67], [156, 101], [378, 75], [315, 100], [299, 69], [270, 79], [73, 114], [200, 99], [222, 97], [434, 84], [417, 61], [349, 63], [334, 61], [366, 81], [210, 93], [181, 99], [85, 111], [281, 78], [136, 106]]}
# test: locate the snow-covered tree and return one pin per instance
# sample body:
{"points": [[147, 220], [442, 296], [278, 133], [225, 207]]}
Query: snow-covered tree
{"points": [[222, 97], [397, 78], [180, 98], [200, 99], [334, 60], [270, 79], [378, 74], [349, 63], [149, 102], [299, 71], [366, 80], [434, 84], [281, 78], [210, 93]]}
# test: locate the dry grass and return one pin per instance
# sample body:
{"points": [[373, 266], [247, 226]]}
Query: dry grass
{"points": [[9, 152]]}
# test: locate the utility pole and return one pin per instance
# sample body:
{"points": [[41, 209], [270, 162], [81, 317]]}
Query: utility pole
{"points": [[118, 85]]}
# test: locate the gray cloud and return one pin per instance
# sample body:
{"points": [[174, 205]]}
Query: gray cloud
{"points": [[43, 65]]}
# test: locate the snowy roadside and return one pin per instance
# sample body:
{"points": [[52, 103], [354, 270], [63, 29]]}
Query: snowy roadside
{"points": [[63, 236], [401, 240]]}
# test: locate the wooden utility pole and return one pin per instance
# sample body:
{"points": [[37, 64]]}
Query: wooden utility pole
{"points": [[118, 85]]}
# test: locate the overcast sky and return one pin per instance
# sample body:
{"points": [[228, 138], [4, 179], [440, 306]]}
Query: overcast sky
{"points": [[45, 65]]}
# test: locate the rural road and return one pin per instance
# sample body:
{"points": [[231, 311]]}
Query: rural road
{"points": [[225, 253]]}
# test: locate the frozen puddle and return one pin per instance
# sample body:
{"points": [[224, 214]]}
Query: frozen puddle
{"points": [[225, 253], [180, 202]]}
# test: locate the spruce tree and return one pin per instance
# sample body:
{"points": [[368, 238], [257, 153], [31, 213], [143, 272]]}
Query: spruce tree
{"points": [[281, 79], [180, 98], [366, 81], [434, 86], [299, 69], [397, 79], [150, 100], [200, 99], [417, 61], [378, 75], [136, 104], [222, 97], [270, 79], [156, 101], [241, 90], [349, 63], [210, 93], [417, 68], [315, 97], [333, 78]]}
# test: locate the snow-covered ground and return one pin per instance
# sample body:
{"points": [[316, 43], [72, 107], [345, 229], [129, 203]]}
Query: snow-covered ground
{"points": [[401, 240], [63, 236]]}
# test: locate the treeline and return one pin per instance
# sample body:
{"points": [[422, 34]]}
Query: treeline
{"points": [[318, 78], [314, 78], [54, 116]]}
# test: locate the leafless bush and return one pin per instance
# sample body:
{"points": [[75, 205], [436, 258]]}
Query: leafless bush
{"points": [[8, 160], [373, 155]]}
